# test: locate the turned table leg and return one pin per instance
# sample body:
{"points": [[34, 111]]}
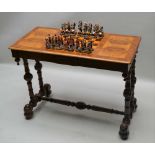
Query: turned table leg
{"points": [[133, 82], [28, 109], [45, 89], [124, 131]]}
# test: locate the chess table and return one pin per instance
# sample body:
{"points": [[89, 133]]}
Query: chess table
{"points": [[114, 52]]}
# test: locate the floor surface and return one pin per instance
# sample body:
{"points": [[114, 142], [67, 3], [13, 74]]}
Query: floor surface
{"points": [[57, 123]]}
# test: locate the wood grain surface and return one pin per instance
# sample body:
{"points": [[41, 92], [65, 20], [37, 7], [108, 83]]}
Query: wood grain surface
{"points": [[112, 48]]}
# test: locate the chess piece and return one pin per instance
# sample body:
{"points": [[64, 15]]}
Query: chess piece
{"points": [[79, 49], [69, 26], [66, 29], [72, 28], [95, 30], [77, 44], [74, 25], [65, 43], [52, 42], [80, 27], [71, 44], [101, 34], [83, 45], [62, 29], [89, 47], [56, 40], [85, 28], [89, 28], [47, 43], [61, 40], [49, 38]]}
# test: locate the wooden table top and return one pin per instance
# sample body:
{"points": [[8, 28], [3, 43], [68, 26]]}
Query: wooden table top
{"points": [[112, 48]]}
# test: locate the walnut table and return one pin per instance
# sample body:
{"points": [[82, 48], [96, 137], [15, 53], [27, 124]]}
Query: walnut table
{"points": [[114, 52]]}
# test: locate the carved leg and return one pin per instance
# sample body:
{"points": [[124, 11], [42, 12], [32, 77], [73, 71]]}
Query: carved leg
{"points": [[45, 89], [28, 109], [124, 132], [133, 82]]}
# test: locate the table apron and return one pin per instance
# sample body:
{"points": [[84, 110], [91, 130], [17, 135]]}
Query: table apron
{"points": [[73, 61]]}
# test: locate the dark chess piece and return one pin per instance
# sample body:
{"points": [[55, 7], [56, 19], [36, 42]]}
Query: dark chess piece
{"points": [[85, 28], [62, 29], [56, 40], [66, 29], [80, 27], [89, 28], [49, 38], [47, 43], [101, 34], [52, 42], [69, 26], [72, 28], [71, 44], [83, 45], [59, 42], [95, 30], [74, 25], [89, 47]]}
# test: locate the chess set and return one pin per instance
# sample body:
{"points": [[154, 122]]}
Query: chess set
{"points": [[71, 39]]}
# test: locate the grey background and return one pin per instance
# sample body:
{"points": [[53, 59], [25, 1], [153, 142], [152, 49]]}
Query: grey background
{"points": [[54, 123]]}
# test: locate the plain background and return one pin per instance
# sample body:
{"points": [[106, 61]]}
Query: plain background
{"points": [[60, 124]]}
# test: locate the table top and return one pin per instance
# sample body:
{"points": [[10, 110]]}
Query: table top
{"points": [[112, 48]]}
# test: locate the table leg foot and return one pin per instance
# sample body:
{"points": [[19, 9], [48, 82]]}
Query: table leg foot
{"points": [[47, 90], [28, 111], [124, 131]]}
